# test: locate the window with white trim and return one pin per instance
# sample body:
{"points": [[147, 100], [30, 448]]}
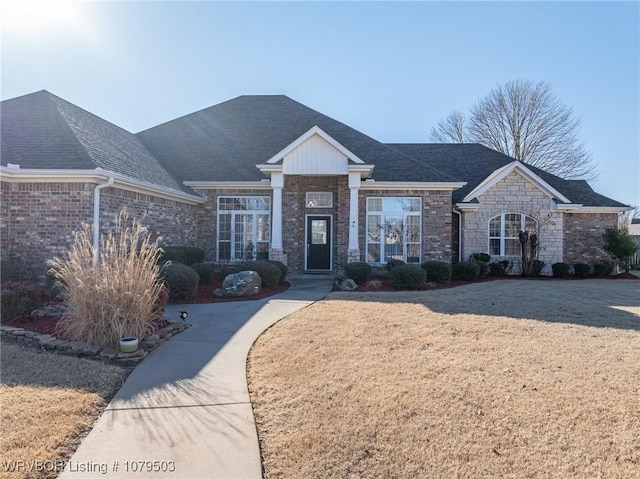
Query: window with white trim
{"points": [[319, 199], [244, 228], [504, 230], [394, 229]]}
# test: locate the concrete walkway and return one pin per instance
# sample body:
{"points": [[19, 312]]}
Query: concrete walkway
{"points": [[184, 412]]}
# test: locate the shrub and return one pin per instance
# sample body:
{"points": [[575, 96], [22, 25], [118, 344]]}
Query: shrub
{"points": [[484, 267], [497, 269], [182, 254], [205, 272], [182, 280], [581, 270], [229, 268], [619, 244], [437, 271], [359, 272], [20, 299], [560, 270], [484, 257], [408, 276], [466, 270], [115, 296], [392, 263], [283, 268], [603, 268], [536, 267], [268, 272]]}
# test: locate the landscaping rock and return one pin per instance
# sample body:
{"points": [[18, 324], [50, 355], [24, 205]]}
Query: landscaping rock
{"points": [[347, 285], [244, 283]]}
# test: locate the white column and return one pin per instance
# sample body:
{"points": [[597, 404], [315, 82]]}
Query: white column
{"points": [[277, 183], [354, 186]]}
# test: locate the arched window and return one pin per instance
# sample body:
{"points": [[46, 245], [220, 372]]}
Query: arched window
{"points": [[504, 230]]}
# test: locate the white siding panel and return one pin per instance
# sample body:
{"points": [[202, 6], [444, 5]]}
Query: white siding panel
{"points": [[315, 157]]}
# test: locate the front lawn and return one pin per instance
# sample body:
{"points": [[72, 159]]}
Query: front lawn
{"points": [[47, 403], [507, 379]]}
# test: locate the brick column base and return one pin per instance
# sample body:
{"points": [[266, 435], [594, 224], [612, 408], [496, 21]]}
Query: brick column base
{"points": [[353, 256], [278, 255]]}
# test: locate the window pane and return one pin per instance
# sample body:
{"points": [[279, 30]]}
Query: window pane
{"points": [[224, 227], [374, 204], [373, 253], [262, 232], [494, 247], [373, 228], [393, 230], [512, 225], [413, 253], [494, 227], [318, 231], [413, 229], [319, 199], [224, 250], [262, 250], [511, 247]]}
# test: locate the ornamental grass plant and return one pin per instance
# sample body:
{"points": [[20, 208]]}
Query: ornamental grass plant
{"points": [[115, 294]]}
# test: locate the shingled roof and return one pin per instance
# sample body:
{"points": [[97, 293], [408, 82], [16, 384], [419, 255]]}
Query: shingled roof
{"points": [[473, 163], [43, 131], [225, 142]]}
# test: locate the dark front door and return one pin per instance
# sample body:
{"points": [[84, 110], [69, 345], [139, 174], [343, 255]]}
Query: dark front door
{"points": [[318, 242]]}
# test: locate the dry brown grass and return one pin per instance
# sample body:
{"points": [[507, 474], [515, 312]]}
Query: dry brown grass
{"points": [[47, 402], [515, 379]]}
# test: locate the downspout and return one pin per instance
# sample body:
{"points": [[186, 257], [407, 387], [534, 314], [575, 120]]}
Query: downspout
{"points": [[96, 218], [459, 234]]}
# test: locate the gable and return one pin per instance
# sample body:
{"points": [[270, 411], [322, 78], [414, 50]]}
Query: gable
{"points": [[315, 156], [515, 171]]}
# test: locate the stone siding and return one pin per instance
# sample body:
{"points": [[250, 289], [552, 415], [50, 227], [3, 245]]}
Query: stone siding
{"points": [[514, 194], [583, 236]]}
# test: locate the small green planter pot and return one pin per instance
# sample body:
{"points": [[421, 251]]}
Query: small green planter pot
{"points": [[129, 344]]}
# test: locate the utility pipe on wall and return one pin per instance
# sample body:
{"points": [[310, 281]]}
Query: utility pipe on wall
{"points": [[96, 217]]}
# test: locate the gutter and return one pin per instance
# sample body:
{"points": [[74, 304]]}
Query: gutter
{"points": [[459, 213], [96, 217]]}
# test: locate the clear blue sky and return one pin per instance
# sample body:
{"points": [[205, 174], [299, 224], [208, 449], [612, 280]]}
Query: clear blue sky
{"points": [[388, 69]]}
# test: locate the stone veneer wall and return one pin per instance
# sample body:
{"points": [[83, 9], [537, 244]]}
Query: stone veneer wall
{"points": [[294, 213], [38, 220], [514, 194], [207, 216], [583, 236], [436, 221]]}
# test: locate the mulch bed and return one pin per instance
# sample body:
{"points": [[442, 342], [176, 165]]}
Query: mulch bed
{"points": [[386, 282], [48, 324]]}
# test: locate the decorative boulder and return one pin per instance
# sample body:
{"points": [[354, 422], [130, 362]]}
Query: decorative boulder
{"points": [[244, 283], [347, 285]]}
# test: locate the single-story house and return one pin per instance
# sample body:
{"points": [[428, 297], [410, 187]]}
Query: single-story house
{"points": [[267, 177]]}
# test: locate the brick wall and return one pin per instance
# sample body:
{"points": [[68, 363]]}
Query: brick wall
{"points": [[37, 223], [38, 220], [514, 194], [294, 211], [583, 236], [436, 220]]}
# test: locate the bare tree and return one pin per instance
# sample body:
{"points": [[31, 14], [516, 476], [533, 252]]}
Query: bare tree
{"points": [[528, 122], [452, 129]]}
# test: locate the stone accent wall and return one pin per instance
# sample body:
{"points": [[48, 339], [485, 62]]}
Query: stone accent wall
{"points": [[207, 217], [38, 220], [295, 210], [514, 194], [583, 236], [436, 221]]}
